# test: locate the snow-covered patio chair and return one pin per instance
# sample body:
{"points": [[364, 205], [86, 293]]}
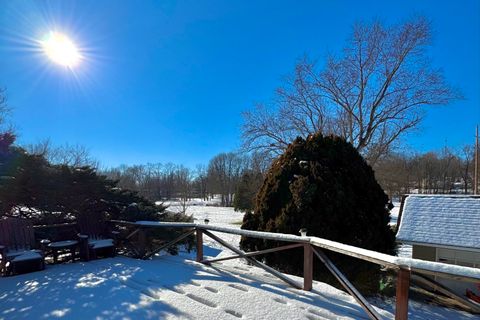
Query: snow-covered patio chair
{"points": [[17, 243], [95, 237]]}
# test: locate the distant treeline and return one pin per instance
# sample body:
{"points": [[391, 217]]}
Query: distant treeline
{"points": [[229, 174], [172, 181], [237, 176], [446, 171]]}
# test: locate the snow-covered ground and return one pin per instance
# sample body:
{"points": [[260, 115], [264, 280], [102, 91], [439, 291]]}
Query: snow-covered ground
{"points": [[219, 216], [175, 287], [403, 250], [394, 213]]}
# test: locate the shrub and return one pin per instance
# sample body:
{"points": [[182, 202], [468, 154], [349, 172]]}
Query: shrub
{"points": [[322, 184]]}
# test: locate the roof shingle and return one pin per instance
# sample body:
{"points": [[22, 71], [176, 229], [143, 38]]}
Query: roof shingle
{"points": [[444, 220]]}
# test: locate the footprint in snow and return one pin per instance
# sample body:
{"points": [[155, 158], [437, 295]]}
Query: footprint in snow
{"points": [[211, 289], [235, 286], [140, 287], [320, 313], [177, 290], [242, 278], [234, 313], [202, 300], [280, 300]]}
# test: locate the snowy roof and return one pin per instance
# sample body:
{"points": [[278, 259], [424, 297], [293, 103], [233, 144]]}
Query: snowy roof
{"points": [[441, 220]]}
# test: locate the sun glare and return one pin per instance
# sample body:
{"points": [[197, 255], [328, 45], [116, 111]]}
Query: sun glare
{"points": [[60, 49]]}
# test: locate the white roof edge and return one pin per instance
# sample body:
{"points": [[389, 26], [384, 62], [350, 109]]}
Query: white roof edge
{"points": [[436, 245], [443, 195]]}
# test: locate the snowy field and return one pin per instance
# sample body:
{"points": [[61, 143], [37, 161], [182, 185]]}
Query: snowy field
{"points": [[219, 216], [175, 287]]}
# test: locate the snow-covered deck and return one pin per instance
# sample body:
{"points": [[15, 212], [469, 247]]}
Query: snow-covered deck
{"points": [[174, 287]]}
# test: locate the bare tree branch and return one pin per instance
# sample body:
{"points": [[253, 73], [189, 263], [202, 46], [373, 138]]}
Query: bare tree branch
{"points": [[371, 96]]}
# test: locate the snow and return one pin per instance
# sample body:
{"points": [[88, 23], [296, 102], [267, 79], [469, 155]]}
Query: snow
{"points": [[218, 216], [59, 244], [166, 288], [165, 224], [101, 243], [176, 287], [258, 234], [394, 214], [419, 265], [27, 255], [229, 229], [452, 221]]}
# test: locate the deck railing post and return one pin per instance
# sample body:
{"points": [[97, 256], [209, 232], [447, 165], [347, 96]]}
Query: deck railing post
{"points": [[83, 247], [403, 285], [307, 267], [199, 235], [142, 240]]}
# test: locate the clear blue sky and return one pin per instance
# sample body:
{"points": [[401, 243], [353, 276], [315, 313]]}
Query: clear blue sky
{"points": [[166, 81]]}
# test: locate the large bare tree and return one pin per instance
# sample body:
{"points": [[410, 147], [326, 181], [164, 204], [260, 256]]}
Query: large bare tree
{"points": [[371, 94], [224, 172]]}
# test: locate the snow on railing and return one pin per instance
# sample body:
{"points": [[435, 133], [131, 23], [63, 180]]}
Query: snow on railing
{"points": [[422, 266]]}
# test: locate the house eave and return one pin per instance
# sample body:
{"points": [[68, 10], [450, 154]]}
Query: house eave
{"points": [[437, 245]]}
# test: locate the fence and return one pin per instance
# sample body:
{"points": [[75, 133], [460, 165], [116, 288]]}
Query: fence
{"points": [[312, 246]]}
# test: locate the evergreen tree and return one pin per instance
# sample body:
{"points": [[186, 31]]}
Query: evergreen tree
{"points": [[322, 184], [46, 193], [247, 188]]}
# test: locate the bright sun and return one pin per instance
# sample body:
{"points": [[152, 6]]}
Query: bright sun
{"points": [[60, 49]]}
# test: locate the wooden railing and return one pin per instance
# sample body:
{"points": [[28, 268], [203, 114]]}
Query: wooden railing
{"points": [[313, 246]]}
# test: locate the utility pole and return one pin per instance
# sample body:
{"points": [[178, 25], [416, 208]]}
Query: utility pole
{"points": [[475, 178]]}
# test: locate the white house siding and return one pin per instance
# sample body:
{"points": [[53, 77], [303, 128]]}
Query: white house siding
{"points": [[461, 258]]}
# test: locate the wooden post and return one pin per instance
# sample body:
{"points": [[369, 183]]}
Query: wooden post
{"points": [[142, 243], [199, 234], [403, 285], [84, 248], [307, 267]]}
